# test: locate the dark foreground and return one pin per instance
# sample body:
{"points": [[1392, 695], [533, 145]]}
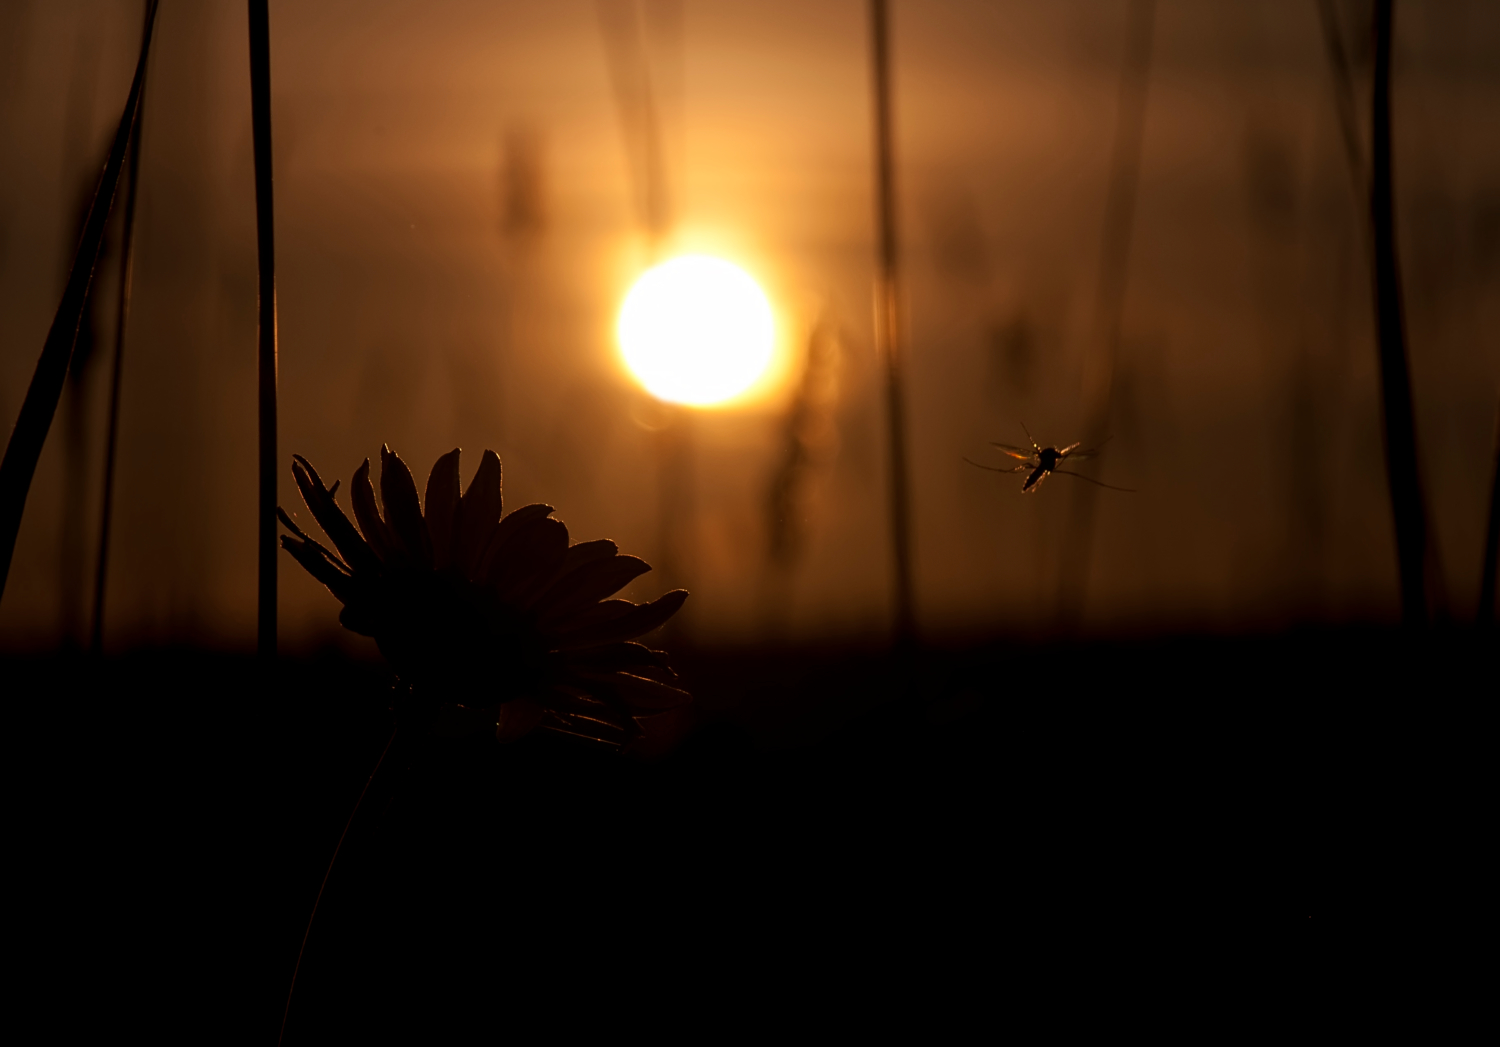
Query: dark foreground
{"points": [[959, 819]]}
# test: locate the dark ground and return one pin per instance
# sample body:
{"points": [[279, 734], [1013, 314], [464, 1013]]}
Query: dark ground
{"points": [[834, 816]]}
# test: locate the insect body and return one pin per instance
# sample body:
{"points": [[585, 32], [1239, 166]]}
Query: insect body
{"points": [[1041, 462]]}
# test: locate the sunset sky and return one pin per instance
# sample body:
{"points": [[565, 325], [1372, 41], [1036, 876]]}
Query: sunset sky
{"points": [[463, 200]]}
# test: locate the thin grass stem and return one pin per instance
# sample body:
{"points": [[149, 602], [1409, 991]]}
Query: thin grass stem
{"points": [[35, 420], [1402, 467], [888, 322], [265, 238], [1343, 98], [1109, 303], [286, 1012], [122, 316], [1487, 578]]}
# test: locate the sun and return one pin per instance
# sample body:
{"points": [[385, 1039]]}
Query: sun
{"points": [[696, 330]]}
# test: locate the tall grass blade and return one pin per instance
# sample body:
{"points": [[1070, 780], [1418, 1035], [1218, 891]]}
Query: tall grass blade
{"points": [[1109, 302], [265, 237], [122, 317], [1487, 580], [35, 420], [1343, 96], [307, 932], [1390, 323], [888, 321], [640, 119]]}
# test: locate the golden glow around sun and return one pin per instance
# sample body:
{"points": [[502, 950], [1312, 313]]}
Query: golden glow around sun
{"points": [[696, 330]]}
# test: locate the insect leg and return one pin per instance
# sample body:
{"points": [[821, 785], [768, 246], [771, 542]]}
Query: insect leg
{"points": [[1031, 439], [1090, 479]]}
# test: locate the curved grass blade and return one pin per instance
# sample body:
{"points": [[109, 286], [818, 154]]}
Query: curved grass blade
{"points": [[122, 316], [30, 432]]}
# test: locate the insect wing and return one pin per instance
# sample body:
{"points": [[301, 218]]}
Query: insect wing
{"points": [[1014, 452], [999, 468]]}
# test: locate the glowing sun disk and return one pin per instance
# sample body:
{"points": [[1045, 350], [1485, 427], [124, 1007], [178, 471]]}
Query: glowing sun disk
{"points": [[696, 330]]}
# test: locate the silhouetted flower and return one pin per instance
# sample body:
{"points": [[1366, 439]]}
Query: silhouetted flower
{"points": [[498, 620]]}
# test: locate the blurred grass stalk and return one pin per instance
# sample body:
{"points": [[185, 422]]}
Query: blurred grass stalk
{"points": [[888, 321], [1491, 538], [1109, 302], [1395, 378], [40, 406], [122, 316], [622, 24], [1417, 555]]}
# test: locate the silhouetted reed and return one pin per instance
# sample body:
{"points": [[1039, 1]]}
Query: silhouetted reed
{"points": [[1491, 559], [117, 367], [1403, 467], [1374, 194], [888, 321], [265, 357], [808, 439], [1109, 299], [37, 410]]}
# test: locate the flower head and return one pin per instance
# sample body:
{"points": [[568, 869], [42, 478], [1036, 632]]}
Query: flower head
{"points": [[498, 617]]}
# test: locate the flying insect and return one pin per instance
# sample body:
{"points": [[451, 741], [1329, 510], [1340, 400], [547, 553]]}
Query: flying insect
{"points": [[1041, 462]]}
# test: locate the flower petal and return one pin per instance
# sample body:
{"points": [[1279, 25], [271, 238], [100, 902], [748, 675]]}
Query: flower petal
{"points": [[320, 501], [316, 561], [588, 552], [507, 529], [637, 657], [291, 525], [590, 716], [324, 551], [376, 533], [440, 508], [660, 733], [517, 718], [597, 615], [403, 513], [528, 561], [587, 585], [660, 673], [637, 621], [478, 514], [359, 618], [639, 692]]}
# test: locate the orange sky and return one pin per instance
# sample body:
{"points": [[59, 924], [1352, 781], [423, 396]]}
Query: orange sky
{"points": [[458, 217]]}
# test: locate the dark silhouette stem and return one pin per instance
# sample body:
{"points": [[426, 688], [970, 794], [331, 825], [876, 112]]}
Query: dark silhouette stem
{"points": [[888, 321], [322, 886], [111, 446], [32, 424], [265, 238], [1395, 379], [1491, 538]]}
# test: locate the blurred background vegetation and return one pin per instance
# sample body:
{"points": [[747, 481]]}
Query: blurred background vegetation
{"points": [[462, 201]]}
